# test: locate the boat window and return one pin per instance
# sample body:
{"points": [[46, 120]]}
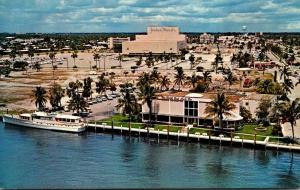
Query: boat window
{"points": [[68, 120]]}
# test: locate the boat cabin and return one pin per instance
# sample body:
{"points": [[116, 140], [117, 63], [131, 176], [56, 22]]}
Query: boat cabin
{"points": [[67, 118], [25, 116]]}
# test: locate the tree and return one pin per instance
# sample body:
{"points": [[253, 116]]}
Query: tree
{"points": [[40, 97], [52, 57], [263, 110], [127, 102], [291, 112], [20, 65], [193, 80], [36, 66], [77, 103], [74, 56], [219, 107], [192, 60], [87, 87], [73, 88], [96, 58], [56, 94], [144, 80], [30, 53], [165, 82], [246, 114], [179, 77], [206, 76], [101, 84], [147, 94], [285, 72], [13, 54], [287, 85], [230, 78]]}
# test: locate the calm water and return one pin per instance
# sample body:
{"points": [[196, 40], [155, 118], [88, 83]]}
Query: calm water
{"points": [[43, 159]]}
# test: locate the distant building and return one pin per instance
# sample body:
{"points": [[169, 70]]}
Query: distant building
{"points": [[225, 38], [188, 108], [158, 40], [206, 38], [116, 42]]}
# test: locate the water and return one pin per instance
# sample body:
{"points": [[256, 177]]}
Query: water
{"points": [[44, 159]]}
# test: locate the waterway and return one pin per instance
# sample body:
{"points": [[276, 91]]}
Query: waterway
{"points": [[31, 158]]}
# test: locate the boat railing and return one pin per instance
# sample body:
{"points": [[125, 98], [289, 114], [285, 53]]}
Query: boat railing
{"points": [[53, 123]]}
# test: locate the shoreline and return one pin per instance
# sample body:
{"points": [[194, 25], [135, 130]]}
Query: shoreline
{"points": [[192, 138]]}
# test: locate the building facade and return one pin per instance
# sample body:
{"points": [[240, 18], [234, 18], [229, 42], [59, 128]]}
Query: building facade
{"points": [[113, 42], [206, 38], [188, 108], [158, 40]]}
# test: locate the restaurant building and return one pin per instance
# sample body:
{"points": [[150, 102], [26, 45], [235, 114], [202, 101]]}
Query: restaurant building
{"points": [[158, 40], [189, 108]]}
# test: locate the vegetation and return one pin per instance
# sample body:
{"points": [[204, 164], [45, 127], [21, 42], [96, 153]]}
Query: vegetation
{"points": [[218, 107], [40, 97]]}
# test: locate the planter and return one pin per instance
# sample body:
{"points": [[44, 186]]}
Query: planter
{"points": [[260, 128]]}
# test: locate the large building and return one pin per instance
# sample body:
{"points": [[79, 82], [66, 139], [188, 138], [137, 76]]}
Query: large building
{"points": [[189, 108], [158, 40], [116, 42]]}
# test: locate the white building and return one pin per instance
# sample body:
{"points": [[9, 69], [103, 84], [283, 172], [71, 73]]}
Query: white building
{"points": [[188, 108], [206, 38], [158, 40]]}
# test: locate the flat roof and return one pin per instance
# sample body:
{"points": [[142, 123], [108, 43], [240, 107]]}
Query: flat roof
{"points": [[62, 116], [194, 95]]}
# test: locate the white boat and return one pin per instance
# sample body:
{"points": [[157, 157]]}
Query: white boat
{"points": [[43, 120]]}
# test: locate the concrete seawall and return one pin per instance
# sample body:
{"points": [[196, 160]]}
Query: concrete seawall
{"points": [[193, 137]]}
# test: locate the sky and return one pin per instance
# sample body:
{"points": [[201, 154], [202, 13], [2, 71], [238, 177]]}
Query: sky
{"points": [[49, 16]]}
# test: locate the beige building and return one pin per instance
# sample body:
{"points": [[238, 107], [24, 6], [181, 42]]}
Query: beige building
{"points": [[113, 42], [158, 40], [206, 38], [188, 108]]}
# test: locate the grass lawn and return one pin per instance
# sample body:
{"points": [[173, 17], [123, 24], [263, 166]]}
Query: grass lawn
{"points": [[250, 129]]}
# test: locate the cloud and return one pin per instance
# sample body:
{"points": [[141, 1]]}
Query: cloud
{"points": [[135, 15]]}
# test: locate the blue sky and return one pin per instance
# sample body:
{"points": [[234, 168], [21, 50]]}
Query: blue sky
{"points": [[135, 15]]}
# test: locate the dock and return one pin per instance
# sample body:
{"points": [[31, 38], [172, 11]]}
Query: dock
{"points": [[179, 136]]}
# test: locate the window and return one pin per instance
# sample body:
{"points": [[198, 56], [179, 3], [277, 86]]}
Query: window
{"points": [[191, 108]]}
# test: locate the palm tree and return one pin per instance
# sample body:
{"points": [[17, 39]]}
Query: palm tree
{"points": [[206, 76], [87, 87], [192, 61], [218, 107], [179, 77], [120, 58], [56, 94], [73, 88], [165, 82], [36, 66], [229, 78], [265, 86], [52, 57], [13, 54], [77, 103], [193, 80], [287, 85], [97, 58], [102, 84], [144, 80], [40, 97], [127, 103], [155, 77], [285, 72], [291, 112], [74, 56], [31, 53], [147, 94]]}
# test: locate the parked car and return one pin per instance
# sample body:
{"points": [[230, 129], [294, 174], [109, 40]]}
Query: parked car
{"points": [[109, 97], [99, 100]]}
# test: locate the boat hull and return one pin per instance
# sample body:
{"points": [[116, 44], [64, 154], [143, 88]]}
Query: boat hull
{"points": [[26, 123]]}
